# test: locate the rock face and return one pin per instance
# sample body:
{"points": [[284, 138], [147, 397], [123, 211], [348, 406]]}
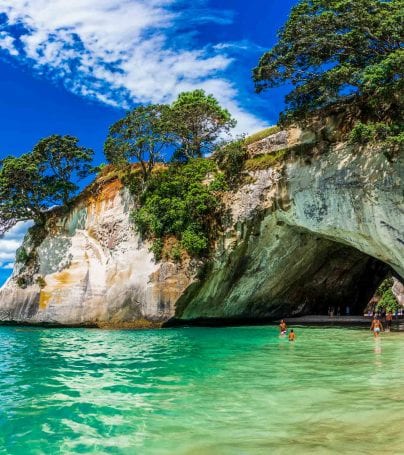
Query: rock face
{"points": [[95, 270], [317, 232], [318, 229]]}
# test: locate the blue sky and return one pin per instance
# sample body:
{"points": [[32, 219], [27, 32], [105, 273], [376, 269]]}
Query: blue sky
{"points": [[75, 67]]}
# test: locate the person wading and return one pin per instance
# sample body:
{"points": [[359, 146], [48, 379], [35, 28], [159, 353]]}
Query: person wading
{"points": [[376, 326], [283, 327]]}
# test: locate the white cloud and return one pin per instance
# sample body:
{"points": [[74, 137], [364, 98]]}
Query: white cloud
{"points": [[7, 42], [10, 242], [121, 51]]}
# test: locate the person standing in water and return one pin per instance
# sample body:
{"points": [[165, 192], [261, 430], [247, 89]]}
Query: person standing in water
{"points": [[376, 326], [292, 336], [283, 327]]}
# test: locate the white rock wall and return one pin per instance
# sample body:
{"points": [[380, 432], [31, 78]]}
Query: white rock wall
{"points": [[97, 271]]}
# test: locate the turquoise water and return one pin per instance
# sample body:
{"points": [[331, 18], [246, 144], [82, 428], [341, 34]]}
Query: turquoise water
{"points": [[200, 391]]}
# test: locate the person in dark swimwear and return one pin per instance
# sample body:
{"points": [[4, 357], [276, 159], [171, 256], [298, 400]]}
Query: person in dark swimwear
{"points": [[283, 327], [376, 326], [292, 336], [389, 319]]}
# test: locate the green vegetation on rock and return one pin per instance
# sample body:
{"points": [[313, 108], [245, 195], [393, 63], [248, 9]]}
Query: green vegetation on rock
{"points": [[387, 300], [181, 201], [174, 201], [264, 161], [21, 255], [384, 286], [364, 133], [231, 158], [261, 134]]}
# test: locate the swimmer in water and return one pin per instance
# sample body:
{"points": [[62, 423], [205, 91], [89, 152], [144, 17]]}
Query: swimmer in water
{"points": [[292, 336], [376, 326], [283, 327]]}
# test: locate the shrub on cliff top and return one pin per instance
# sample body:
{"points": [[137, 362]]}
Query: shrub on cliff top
{"points": [[231, 158], [261, 134], [364, 133]]}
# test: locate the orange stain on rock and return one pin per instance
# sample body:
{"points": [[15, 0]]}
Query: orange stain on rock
{"points": [[44, 298], [61, 280], [64, 278], [107, 193]]}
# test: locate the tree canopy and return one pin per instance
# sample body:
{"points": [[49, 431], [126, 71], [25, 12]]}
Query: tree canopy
{"points": [[34, 182], [197, 120], [188, 128], [22, 195], [62, 161], [142, 135], [334, 50]]}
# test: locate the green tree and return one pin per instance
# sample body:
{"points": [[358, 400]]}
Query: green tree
{"points": [[334, 50], [384, 286], [197, 120], [22, 193], [35, 181], [142, 135], [61, 161], [388, 302]]}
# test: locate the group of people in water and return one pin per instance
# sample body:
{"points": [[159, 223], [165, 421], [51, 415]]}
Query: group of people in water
{"points": [[376, 327], [284, 331]]}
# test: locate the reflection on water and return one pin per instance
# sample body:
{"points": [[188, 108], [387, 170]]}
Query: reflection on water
{"points": [[200, 391]]}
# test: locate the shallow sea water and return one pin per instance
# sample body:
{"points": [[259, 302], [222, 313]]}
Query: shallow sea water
{"points": [[200, 391]]}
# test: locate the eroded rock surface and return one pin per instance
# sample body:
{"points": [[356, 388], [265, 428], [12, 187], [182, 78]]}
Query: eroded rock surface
{"points": [[95, 271]]}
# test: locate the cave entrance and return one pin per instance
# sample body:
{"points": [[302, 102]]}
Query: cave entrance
{"points": [[280, 271], [342, 278]]}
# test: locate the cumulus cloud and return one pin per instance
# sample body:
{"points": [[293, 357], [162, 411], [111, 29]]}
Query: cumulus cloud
{"points": [[10, 242], [122, 52]]}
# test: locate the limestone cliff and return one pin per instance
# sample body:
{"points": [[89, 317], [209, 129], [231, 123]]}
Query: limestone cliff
{"points": [[93, 270], [318, 228]]}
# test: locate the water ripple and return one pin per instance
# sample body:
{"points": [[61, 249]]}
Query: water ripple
{"points": [[200, 391]]}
